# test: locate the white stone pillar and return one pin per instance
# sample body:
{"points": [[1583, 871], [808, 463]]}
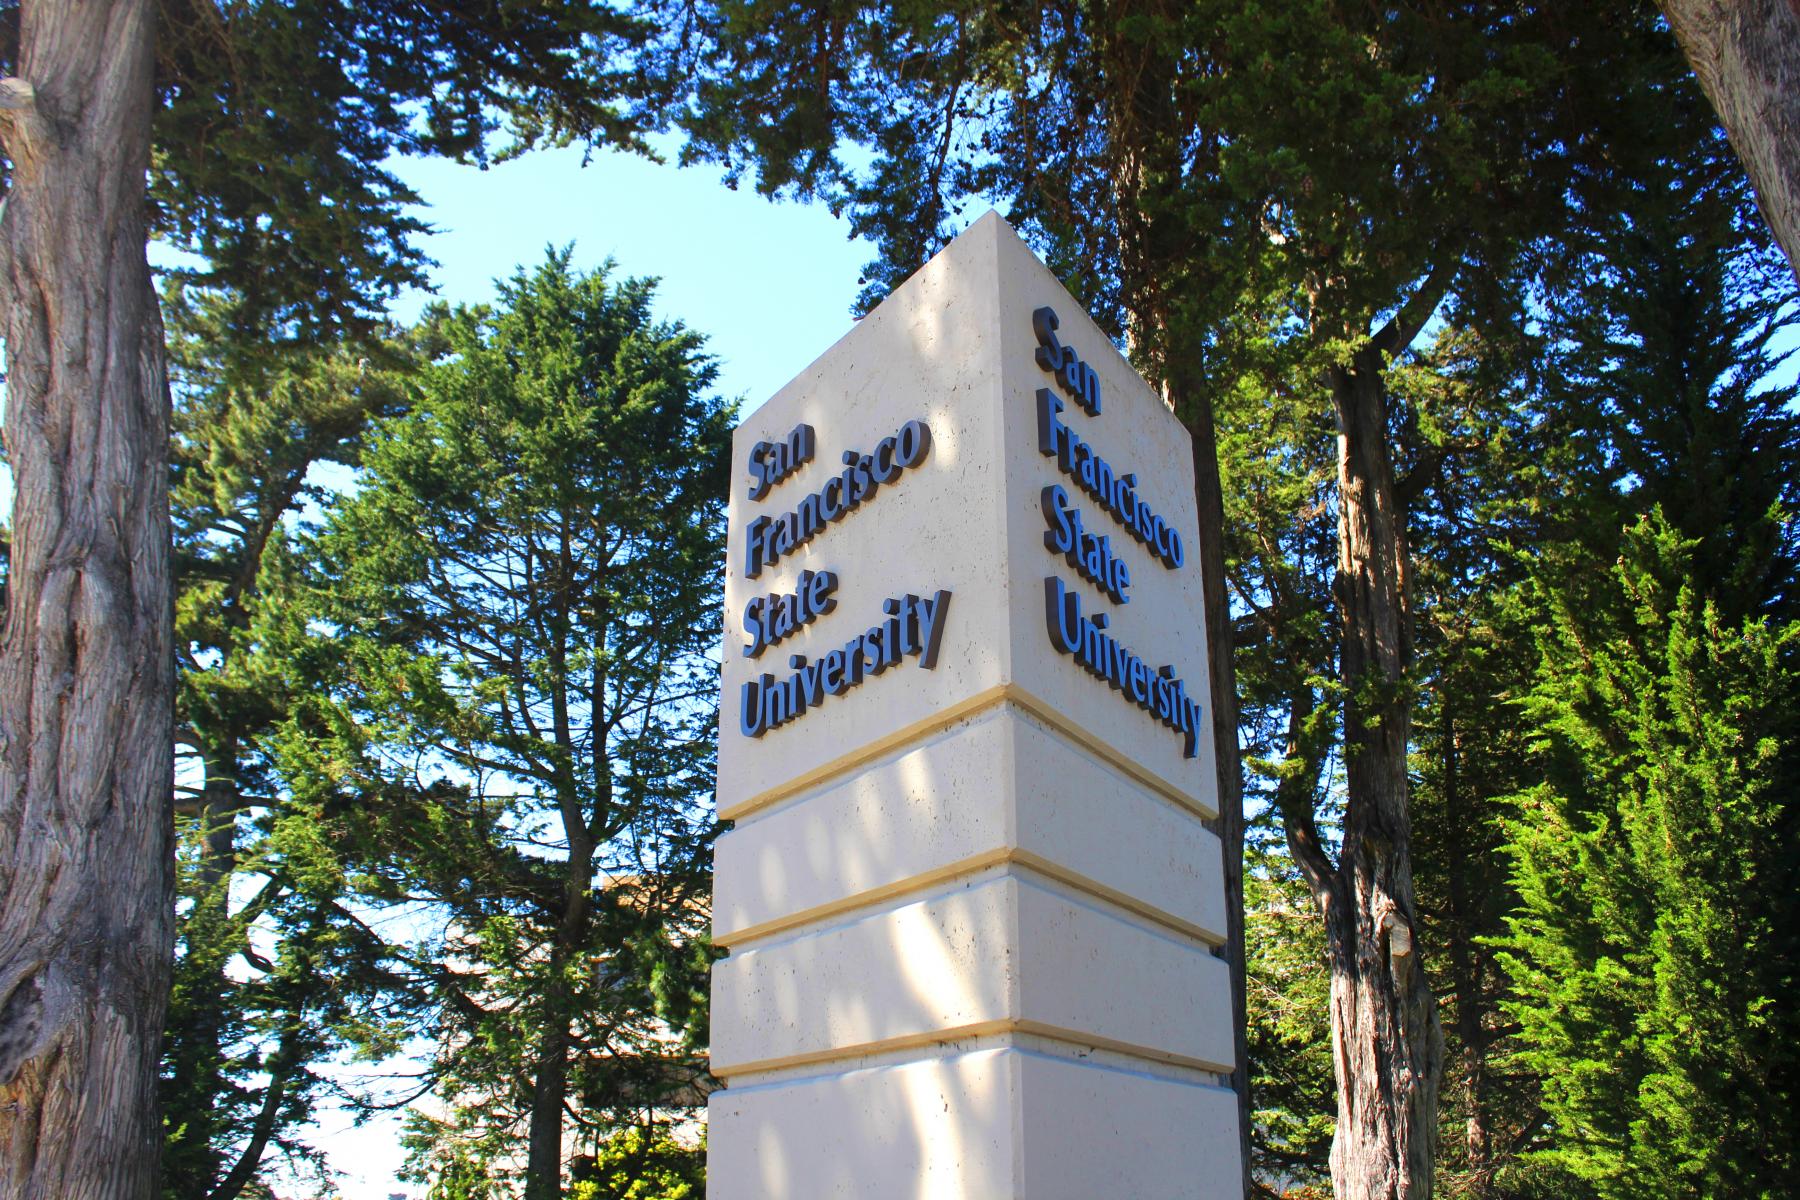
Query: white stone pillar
{"points": [[969, 901]]}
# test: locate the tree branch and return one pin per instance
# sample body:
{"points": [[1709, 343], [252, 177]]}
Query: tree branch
{"points": [[1404, 325]]}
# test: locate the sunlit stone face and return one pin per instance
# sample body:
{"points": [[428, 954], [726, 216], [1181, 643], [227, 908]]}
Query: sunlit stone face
{"points": [[968, 900]]}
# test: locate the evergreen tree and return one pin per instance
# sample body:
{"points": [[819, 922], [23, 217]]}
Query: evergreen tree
{"points": [[1654, 949], [523, 595], [264, 130], [1649, 942], [252, 1014]]}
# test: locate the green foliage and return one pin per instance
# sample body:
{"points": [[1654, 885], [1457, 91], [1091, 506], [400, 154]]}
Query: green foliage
{"points": [[272, 976], [1653, 951], [517, 696], [641, 1164], [1289, 995]]}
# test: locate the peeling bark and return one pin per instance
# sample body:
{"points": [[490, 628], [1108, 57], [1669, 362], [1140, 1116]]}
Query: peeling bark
{"points": [[1746, 54], [1387, 1044], [86, 667]]}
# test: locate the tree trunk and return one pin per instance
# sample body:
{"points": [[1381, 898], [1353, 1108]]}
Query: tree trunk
{"points": [[86, 669], [1221, 667], [550, 1085], [1746, 54], [549, 1090], [1385, 1036], [1460, 931]]}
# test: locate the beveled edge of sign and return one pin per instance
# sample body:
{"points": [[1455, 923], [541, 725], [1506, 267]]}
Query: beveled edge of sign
{"points": [[1131, 909], [1005, 693], [1004, 1026]]}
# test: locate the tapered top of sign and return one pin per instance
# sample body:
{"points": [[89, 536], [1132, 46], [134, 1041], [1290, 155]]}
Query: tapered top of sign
{"points": [[1023, 475]]}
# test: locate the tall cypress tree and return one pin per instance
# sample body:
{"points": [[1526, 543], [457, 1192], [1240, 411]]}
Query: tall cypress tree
{"points": [[1651, 950], [523, 594], [1653, 953]]}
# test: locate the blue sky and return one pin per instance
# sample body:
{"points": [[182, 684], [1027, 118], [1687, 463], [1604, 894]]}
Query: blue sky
{"points": [[769, 284]]}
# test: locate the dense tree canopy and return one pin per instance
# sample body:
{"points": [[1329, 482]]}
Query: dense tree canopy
{"points": [[1481, 341], [523, 593]]}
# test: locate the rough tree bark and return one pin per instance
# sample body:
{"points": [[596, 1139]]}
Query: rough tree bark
{"points": [[1388, 1049], [86, 671], [1387, 1045], [1746, 54]]}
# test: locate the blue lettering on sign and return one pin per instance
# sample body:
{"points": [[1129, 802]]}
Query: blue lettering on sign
{"points": [[1089, 553], [1157, 691], [772, 462], [766, 539], [912, 626], [772, 619], [1116, 493], [1072, 375]]}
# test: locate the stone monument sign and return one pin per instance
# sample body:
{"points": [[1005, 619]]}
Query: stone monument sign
{"points": [[969, 901]]}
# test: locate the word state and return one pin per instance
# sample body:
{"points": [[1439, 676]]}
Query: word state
{"points": [[771, 619], [1089, 553]]}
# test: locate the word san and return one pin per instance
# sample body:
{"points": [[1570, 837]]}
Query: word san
{"points": [[1075, 377], [772, 462], [772, 619]]}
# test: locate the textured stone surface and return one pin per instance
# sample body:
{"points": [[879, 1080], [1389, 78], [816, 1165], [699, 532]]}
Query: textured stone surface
{"points": [[969, 910], [977, 1125]]}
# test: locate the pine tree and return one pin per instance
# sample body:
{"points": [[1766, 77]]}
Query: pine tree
{"points": [[520, 696], [1654, 949], [252, 1016]]}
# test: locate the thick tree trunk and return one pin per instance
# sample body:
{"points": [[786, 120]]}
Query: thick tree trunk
{"points": [[1385, 1035], [1746, 54], [86, 670], [549, 1090]]}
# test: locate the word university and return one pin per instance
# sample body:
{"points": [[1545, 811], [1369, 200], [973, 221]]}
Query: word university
{"points": [[968, 899]]}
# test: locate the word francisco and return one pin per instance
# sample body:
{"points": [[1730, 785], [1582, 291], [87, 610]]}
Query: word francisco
{"points": [[1158, 692], [1116, 493], [913, 626], [766, 539], [1076, 377], [1090, 554], [772, 462], [770, 619]]}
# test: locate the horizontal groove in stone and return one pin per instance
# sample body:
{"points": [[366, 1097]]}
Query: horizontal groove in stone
{"points": [[1006, 1032], [855, 907]]}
